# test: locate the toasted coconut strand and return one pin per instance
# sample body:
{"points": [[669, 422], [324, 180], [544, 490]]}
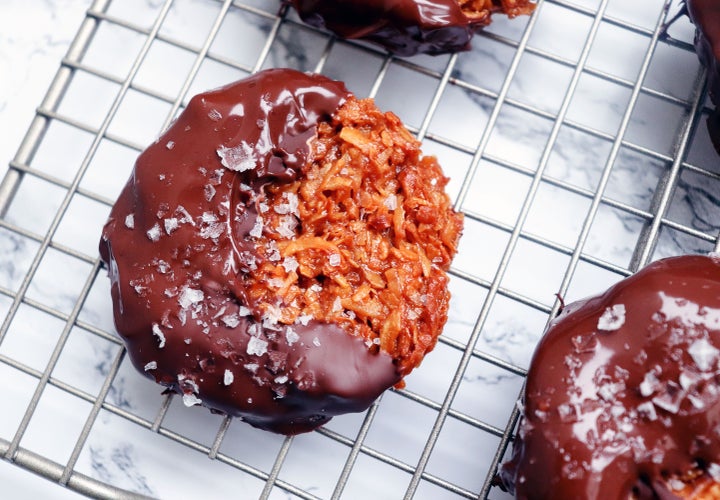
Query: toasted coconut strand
{"points": [[480, 10], [699, 488], [374, 237]]}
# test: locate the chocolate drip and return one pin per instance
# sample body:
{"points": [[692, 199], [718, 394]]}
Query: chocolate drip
{"points": [[177, 249], [404, 27], [623, 392]]}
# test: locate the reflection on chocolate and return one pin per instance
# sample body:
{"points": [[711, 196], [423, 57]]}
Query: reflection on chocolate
{"points": [[406, 27], [623, 392], [177, 234]]}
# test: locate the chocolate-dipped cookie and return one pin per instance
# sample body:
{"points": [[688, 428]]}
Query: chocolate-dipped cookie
{"points": [[279, 254], [622, 398], [408, 27]]}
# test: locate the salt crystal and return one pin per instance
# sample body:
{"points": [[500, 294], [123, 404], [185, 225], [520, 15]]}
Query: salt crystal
{"points": [[566, 413], [190, 296], [209, 192], [304, 319], [256, 346], [244, 311], [186, 217], [291, 336], [649, 385], [231, 320], [647, 410], [191, 400], [130, 221], [154, 233], [238, 159], [257, 229], [212, 231], [263, 207], [281, 379], [273, 251], [159, 334], [152, 365], [287, 225], [214, 115], [170, 144], [391, 202], [334, 259], [228, 377], [316, 288], [670, 400], [316, 342], [713, 470], [252, 367], [171, 224], [703, 353], [290, 264], [187, 341], [613, 318], [676, 484]]}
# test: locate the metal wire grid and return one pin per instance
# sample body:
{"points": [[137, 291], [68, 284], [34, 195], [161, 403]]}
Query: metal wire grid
{"points": [[655, 220]]}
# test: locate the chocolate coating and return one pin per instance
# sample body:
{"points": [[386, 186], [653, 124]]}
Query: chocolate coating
{"points": [[176, 245], [404, 27], [705, 14], [623, 391]]}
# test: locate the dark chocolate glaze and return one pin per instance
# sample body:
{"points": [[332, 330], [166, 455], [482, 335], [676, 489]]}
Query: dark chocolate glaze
{"points": [[404, 27], [623, 391], [177, 249], [705, 14]]}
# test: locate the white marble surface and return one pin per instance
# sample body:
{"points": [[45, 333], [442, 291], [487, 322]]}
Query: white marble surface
{"points": [[32, 41]]}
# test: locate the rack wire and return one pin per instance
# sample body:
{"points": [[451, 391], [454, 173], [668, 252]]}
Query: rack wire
{"points": [[593, 171]]}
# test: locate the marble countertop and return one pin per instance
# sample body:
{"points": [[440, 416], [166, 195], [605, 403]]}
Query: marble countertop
{"points": [[546, 175]]}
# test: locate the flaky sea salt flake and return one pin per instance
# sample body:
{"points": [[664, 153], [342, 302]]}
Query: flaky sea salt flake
{"points": [[191, 400], [171, 224], [170, 144], [239, 158], [704, 354], [291, 336], [612, 319], [256, 346], [316, 342], [153, 233], [190, 296], [228, 377], [130, 221], [159, 334], [290, 264], [334, 259], [152, 365], [231, 320]]}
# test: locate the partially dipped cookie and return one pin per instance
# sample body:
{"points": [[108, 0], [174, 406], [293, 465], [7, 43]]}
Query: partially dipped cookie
{"points": [[409, 27], [623, 393], [280, 253]]}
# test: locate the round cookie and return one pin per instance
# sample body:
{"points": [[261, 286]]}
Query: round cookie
{"points": [[622, 398], [408, 27], [279, 254]]}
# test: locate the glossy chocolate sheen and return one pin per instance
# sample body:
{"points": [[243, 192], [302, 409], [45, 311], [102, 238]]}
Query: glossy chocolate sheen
{"points": [[177, 249], [624, 389], [404, 27]]}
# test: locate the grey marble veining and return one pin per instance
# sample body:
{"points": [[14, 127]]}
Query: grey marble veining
{"points": [[122, 453]]}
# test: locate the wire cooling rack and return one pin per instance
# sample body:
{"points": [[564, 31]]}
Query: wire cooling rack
{"points": [[576, 146]]}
